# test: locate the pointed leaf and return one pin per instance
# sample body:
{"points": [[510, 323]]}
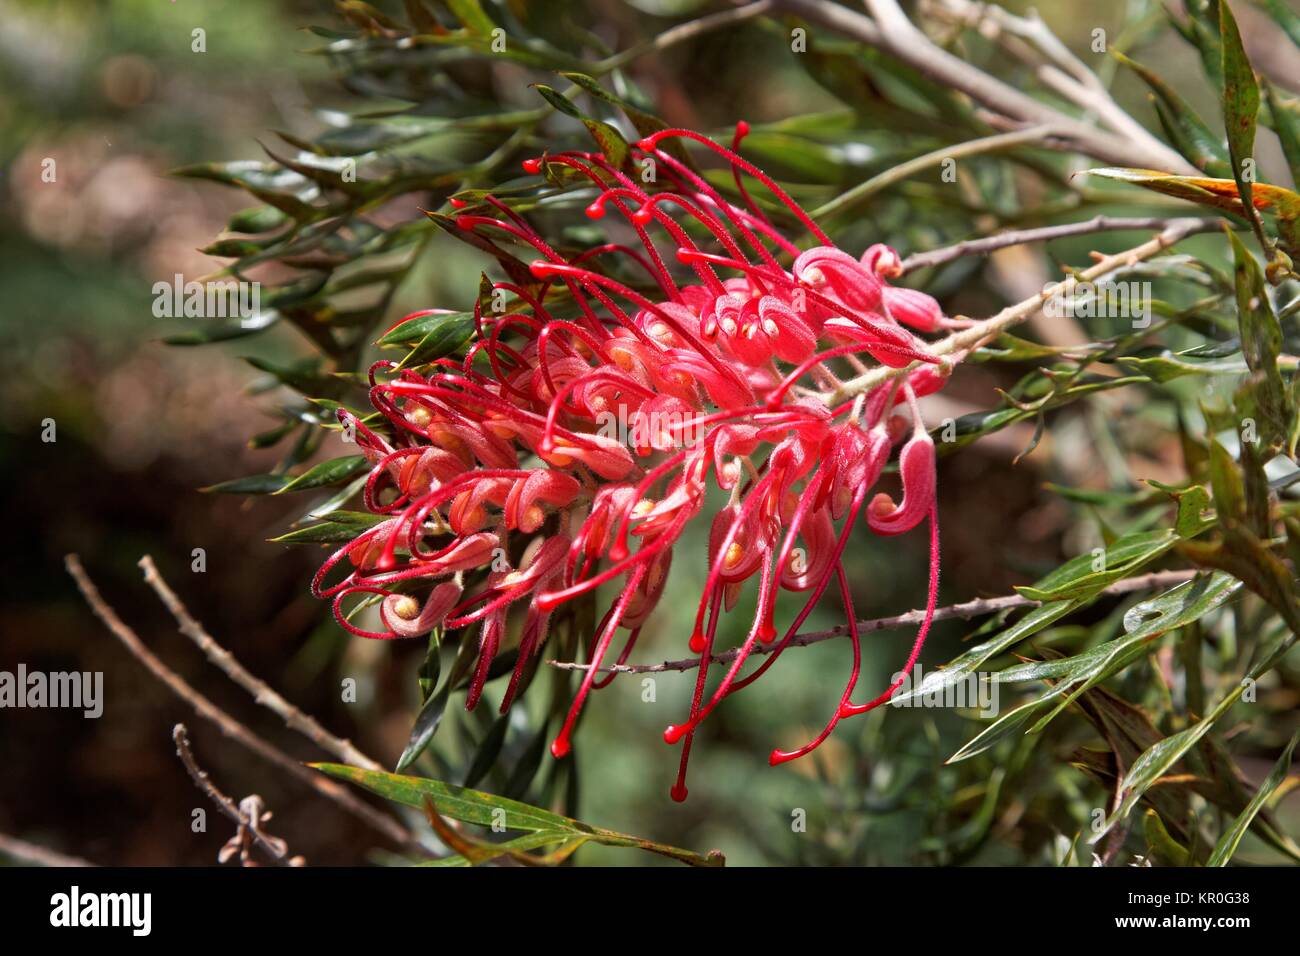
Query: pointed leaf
{"points": [[1227, 845], [330, 472]]}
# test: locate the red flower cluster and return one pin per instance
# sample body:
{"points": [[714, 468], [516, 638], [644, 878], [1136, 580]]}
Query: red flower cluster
{"points": [[723, 378]]}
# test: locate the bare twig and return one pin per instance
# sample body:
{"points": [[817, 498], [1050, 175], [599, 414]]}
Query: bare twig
{"points": [[980, 332], [1065, 73], [683, 32], [31, 853], [975, 147], [980, 247], [248, 828], [967, 610], [262, 693], [889, 29], [227, 724]]}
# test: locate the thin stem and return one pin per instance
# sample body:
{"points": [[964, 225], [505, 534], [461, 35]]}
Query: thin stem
{"points": [[971, 338], [683, 32], [227, 724], [227, 806], [965, 611], [262, 693], [975, 147], [980, 247]]}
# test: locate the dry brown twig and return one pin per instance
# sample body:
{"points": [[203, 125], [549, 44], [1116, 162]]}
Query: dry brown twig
{"points": [[262, 692], [981, 332], [228, 725], [248, 815], [1017, 237]]}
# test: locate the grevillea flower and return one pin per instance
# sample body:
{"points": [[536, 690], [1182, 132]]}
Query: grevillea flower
{"points": [[500, 486]]}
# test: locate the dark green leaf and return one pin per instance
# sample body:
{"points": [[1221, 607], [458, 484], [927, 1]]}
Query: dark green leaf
{"points": [[1202, 148], [1285, 113], [610, 140], [340, 527], [332, 472], [1240, 113], [485, 809], [257, 219], [1261, 344], [252, 485]]}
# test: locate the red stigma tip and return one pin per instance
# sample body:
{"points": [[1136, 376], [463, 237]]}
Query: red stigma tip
{"points": [[673, 734], [532, 165], [465, 222], [678, 792], [560, 747], [596, 210]]}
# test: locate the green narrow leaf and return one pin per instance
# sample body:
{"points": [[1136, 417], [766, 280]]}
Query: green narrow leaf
{"points": [[435, 705], [330, 472], [1202, 30], [1225, 480], [644, 123], [430, 337], [301, 376], [256, 219], [1157, 760], [472, 16], [286, 190], [485, 809], [960, 667], [1261, 344], [1227, 845], [1190, 134], [1147, 620], [485, 756], [340, 527], [1285, 113], [1004, 727], [1077, 580], [1240, 114], [518, 272], [210, 332], [1220, 194], [414, 329], [273, 436], [610, 140], [458, 803], [1160, 844], [1192, 504], [252, 485]]}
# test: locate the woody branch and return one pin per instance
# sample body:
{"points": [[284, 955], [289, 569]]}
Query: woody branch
{"points": [[981, 332]]}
